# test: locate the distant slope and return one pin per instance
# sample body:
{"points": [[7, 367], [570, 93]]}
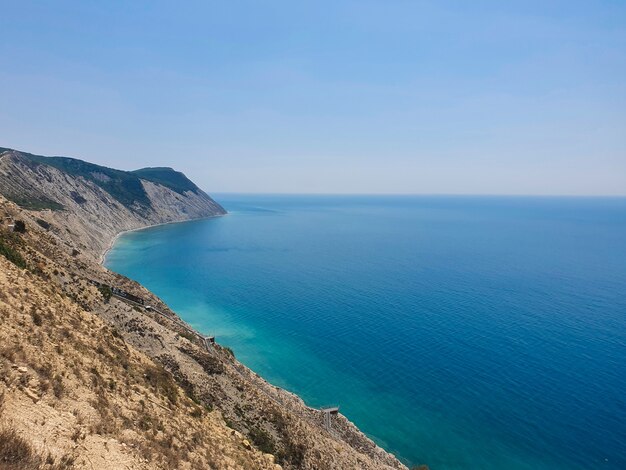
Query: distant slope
{"points": [[122, 185], [93, 203], [168, 177]]}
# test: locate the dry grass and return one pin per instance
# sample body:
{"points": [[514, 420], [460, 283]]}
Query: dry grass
{"points": [[16, 453]]}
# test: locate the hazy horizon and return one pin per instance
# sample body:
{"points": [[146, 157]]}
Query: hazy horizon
{"points": [[398, 98]]}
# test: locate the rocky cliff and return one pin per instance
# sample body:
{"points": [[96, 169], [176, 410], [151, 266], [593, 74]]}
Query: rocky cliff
{"points": [[92, 204], [98, 381]]}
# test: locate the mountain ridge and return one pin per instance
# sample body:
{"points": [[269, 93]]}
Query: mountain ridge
{"points": [[93, 203], [125, 186]]}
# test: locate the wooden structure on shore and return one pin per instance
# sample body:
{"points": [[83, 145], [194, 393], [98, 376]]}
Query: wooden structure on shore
{"points": [[329, 411]]}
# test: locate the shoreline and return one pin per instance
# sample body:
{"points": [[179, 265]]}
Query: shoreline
{"points": [[111, 243], [291, 401]]}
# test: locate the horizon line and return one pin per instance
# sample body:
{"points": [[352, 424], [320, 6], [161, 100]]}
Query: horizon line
{"points": [[261, 193]]}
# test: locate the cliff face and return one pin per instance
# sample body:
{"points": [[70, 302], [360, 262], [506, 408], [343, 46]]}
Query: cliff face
{"points": [[92, 204], [47, 299], [75, 394]]}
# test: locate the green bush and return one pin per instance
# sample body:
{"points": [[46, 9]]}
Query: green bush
{"points": [[262, 440], [11, 254], [19, 227], [106, 292], [35, 204]]}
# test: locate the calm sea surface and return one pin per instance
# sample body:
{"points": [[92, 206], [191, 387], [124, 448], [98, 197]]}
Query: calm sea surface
{"points": [[461, 332]]}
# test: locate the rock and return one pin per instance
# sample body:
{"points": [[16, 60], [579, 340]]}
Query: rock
{"points": [[32, 395], [22, 370], [246, 444]]}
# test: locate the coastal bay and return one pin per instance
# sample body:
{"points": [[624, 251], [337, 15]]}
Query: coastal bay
{"points": [[454, 331]]}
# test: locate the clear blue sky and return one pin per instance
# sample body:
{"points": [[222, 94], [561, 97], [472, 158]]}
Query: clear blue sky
{"points": [[326, 96]]}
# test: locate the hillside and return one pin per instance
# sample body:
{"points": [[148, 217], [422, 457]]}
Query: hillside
{"points": [[168, 177], [102, 380], [82, 198], [74, 394]]}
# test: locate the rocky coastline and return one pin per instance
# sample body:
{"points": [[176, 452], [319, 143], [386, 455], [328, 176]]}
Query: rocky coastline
{"points": [[63, 251]]}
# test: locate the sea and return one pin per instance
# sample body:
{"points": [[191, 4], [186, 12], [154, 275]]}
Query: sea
{"points": [[458, 332]]}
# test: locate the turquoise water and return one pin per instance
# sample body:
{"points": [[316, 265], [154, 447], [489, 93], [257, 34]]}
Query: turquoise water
{"points": [[461, 332]]}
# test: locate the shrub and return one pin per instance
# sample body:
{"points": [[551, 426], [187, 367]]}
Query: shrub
{"points": [[43, 224], [106, 292], [292, 453], [12, 255], [57, 386], [262, 440], [37, 320], [188, 335], [77, 197], [162, 381], [210, 364], [19, 227], [16, 453]]}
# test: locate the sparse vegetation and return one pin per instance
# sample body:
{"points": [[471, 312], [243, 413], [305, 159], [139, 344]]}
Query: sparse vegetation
{"points": [[57, 386], [43, 224], [292, 453], [36, 203], [78, 199], [106, 292], [262, 440], [10, 253], [188, 335], [122, 185], [16, 453], [37, 319], [210, 364], [175, 180], [19, 227], [162, 382]]}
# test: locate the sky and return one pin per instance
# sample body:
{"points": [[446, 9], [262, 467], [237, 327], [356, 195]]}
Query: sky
{"points": [[393, 96]]}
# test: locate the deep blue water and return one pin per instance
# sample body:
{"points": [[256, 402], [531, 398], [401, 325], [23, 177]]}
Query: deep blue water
{"points": [[461, 332]]}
